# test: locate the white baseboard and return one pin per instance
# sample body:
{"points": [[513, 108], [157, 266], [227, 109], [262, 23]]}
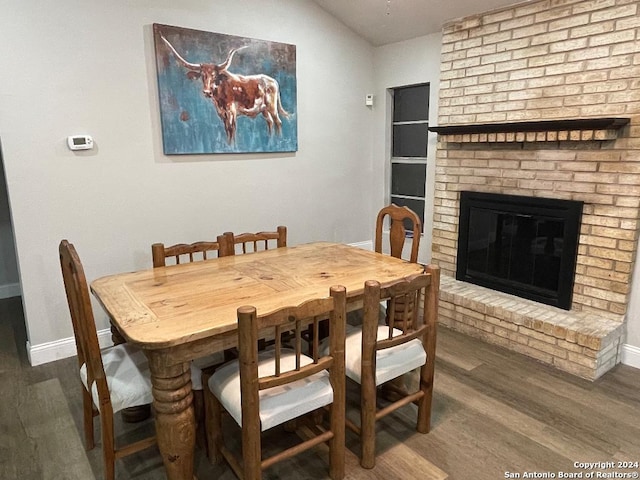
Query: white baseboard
{"points": [[10, 290], [631, 355], [367, 245], [63, 348]]}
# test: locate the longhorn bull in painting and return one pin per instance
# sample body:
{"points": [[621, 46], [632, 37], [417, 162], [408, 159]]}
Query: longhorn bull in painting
{"points": [[234, 94]]}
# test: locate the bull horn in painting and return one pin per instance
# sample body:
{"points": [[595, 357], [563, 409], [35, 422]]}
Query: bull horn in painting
{"points": [[227, 62], [189, 65]]}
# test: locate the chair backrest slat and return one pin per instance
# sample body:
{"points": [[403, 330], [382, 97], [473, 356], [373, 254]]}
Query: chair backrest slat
{"points": [[397, 230], [255, 242], [192, 251], [400, 339], [316, 338], [294, 375]]}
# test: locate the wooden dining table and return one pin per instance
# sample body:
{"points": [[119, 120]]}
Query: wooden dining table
{"points": [[182, 312]]}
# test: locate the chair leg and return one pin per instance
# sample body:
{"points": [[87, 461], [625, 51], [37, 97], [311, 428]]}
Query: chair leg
{"points": [[108, 445], [337, 443], [251, 452], [213, 425], [368, 423], [424, 404], [87, 412]]}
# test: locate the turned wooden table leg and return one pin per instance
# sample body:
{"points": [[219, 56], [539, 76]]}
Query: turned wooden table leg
{"points": [[175, 421]]}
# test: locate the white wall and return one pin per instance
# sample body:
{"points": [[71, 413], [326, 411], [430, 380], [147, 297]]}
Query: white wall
{"points": [[631, 350], [396, 65], [71, 67]]}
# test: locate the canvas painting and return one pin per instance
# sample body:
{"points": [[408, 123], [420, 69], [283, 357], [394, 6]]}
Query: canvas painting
{"points": [[225, 94]]}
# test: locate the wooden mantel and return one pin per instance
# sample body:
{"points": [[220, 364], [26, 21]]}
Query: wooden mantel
{"points": [[583, 129]]}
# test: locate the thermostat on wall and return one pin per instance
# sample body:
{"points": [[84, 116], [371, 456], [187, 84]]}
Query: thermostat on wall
{"points": [[80, 142]]}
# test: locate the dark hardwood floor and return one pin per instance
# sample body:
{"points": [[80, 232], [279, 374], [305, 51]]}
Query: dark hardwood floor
{"points": [[496, 414]]}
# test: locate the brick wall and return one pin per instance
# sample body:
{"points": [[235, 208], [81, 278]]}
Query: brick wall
{"points": [[546, 60]]}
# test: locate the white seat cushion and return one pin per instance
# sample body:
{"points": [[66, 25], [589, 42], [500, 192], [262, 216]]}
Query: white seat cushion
{"points": [[128, 377], [278, 404], [390, 362]]}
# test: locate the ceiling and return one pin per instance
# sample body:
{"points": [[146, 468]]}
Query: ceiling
{"points": [[388, 21]]}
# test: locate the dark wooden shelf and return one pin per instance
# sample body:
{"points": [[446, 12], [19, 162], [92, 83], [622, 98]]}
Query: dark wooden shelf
{"points": [[535, 126]]}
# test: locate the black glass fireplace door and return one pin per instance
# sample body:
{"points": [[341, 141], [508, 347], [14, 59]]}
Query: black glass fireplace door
{"points": [[519, 245]]}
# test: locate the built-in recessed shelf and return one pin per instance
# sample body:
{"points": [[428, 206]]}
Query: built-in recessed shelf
{"points": [[582, 129]]}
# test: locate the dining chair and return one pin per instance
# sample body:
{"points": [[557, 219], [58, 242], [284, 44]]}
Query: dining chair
{"points": [[112, 379], [402, 219], [254, 242], [376, 354], [187, 251], [263, 389]]}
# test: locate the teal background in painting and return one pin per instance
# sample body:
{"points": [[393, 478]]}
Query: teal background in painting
{"points": [[190, 123]]}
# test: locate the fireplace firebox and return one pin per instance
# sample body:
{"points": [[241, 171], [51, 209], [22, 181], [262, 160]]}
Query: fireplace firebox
{"points": [[525, 246]]}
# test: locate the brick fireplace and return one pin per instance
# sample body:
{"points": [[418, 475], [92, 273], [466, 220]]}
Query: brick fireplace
{"points": [[553, 62]]}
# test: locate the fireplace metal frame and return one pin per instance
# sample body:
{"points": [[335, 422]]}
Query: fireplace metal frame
{"points": [[570, 211]]}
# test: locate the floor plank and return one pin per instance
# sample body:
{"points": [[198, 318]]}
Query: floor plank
{"points": [[16, 448], [47, 421], [543, 433]]}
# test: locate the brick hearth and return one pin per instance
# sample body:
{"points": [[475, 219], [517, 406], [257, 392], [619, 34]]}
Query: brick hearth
{"points": [[539, 61], [583, 344]]}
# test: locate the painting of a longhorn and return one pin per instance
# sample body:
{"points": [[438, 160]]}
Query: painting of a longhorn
{"points": [[225, 94]]}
